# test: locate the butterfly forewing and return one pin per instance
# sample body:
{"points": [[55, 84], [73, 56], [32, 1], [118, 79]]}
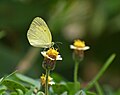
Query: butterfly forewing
{"points": [[39, 34]]}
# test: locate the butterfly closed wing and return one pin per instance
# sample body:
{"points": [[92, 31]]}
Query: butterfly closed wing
{"points": [[39, 34]]}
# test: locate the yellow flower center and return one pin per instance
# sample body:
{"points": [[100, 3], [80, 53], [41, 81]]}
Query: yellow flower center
{"points": [[43, 79], [79, 43], [52, 53]]}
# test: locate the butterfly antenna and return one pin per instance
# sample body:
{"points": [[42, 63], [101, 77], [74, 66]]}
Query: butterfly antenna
{"points": [[59, 42], [56, 43]]}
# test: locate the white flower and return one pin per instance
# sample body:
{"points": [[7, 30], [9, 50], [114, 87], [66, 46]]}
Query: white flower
{"points": [[79, 48], [52, 54], [58, 57], [79, 45]]}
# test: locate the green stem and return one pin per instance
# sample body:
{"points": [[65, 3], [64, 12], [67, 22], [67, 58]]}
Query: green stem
{"points": [[76, 71], [46, 83], [100, 73], [99, 89]]}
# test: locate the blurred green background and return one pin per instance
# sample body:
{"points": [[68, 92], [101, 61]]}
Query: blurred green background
{"points": [[97, 22]]}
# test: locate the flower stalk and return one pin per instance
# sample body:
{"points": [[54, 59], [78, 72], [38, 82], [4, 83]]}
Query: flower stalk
{"points": [[78, 55], [46, 82], [76, 71], [50, 57]]}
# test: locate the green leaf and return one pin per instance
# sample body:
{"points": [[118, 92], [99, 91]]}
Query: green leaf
{"points": [[7, 76], [90, 93], [29, 92], [2, 79], [73, 87], [19, 92], [101, 72], [65, 93], [40, 93], [81, 92], [2, 89], [12, 74], [117, 92], [98, 88], [13, 85], [13, 93], [57, 78], [59, 88], [28, 80]]}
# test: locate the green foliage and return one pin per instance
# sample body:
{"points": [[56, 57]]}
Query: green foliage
{"points": [[90, 93], [28, 80], [13, 85], [59, 88], [19, 84], [40, 93], [117, 92], [73, 87]]}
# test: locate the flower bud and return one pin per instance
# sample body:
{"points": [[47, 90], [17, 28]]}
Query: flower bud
{"points": [[79, 48]]}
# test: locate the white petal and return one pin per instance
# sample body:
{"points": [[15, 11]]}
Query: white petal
{"points": [[51, 83], [72, 47], [84, 48], [43, 53], [77, 48], [59, 57]]}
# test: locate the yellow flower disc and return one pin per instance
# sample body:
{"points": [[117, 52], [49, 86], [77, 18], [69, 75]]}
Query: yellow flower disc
{"points": [[79, 43], [52, 52], [43, 79]]}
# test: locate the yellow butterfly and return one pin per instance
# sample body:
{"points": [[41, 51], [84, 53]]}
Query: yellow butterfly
{"points": [[39, 34]]}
